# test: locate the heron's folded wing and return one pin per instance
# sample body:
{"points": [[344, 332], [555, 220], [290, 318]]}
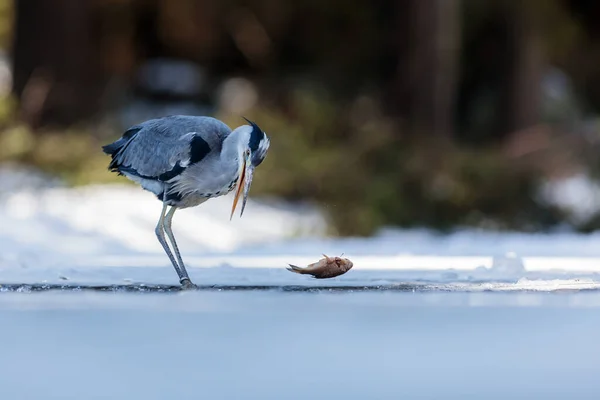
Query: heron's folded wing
{"points": [[163, 148]]}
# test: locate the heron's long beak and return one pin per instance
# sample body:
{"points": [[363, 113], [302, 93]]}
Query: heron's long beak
{"points": [[245, 180]]}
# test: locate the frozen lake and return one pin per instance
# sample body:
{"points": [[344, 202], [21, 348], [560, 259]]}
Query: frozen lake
{"points": [[90, 308], [464, 343]]}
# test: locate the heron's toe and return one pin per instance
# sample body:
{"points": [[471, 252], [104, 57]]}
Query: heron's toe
{"points": [[187, 284]]}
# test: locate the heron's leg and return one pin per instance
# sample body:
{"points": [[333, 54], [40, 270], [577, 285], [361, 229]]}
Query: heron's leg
{"points": [[167, 224], [160, 234]]}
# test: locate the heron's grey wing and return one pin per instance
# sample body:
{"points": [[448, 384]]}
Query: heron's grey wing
{"points": [[163, 148]]}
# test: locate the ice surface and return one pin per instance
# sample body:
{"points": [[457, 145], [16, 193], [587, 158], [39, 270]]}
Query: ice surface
{"points": [[266, 345]]}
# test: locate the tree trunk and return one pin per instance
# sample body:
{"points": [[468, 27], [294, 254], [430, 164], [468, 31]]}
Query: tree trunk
{"points": [[57, 71], [524, 91], [433, 65]]}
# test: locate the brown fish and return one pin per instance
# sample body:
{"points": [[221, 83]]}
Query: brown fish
{"points": [[328, 267]]}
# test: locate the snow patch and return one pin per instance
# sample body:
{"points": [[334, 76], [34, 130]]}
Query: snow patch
{"points": [[45, 225], [508, 267], [578, 195]]}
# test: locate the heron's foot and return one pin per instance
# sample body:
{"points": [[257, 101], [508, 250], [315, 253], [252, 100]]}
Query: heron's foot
{"points": [[186, 284]]}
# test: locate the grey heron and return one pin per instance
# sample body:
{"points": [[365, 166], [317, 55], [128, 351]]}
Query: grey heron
{"points": [[186, 160]]}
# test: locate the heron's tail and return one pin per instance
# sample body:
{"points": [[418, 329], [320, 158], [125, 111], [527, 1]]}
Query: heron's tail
{"points": [[296, 269], [118, 146], [113, 148]]}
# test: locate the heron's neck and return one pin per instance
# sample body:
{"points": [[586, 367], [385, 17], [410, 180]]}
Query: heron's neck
{"points": [[231, 152]]}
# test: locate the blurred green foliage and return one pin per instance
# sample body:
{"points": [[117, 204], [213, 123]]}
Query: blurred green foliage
{"points": [[6, 23], [368, 177], [365, 179], [349, 159]]}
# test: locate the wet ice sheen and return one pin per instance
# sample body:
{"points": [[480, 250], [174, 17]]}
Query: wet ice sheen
{"points": [[299, 345]]}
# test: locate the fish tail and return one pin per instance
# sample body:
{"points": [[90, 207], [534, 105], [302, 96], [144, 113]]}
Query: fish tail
{"points": [[296, 269]]}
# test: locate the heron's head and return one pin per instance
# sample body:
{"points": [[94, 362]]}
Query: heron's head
{"points": [[252, 150]]}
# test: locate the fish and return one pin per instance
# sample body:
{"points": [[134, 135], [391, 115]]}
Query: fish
{"points": [[328, 267]]}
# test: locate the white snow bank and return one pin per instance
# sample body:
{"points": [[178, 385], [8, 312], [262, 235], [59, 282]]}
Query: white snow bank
{"points": [[119, 219], [578, 196], [46, 225], [124, 217]]}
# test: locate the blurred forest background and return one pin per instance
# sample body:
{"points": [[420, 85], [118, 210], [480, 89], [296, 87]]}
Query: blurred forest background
{"points": [[438, 113]]}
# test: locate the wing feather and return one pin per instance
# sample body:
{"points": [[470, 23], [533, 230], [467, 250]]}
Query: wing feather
{"points": [[163, 148]]}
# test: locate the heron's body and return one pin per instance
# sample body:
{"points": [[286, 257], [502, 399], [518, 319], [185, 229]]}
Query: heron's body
{"points": [[179, 154], [186, 160]]}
